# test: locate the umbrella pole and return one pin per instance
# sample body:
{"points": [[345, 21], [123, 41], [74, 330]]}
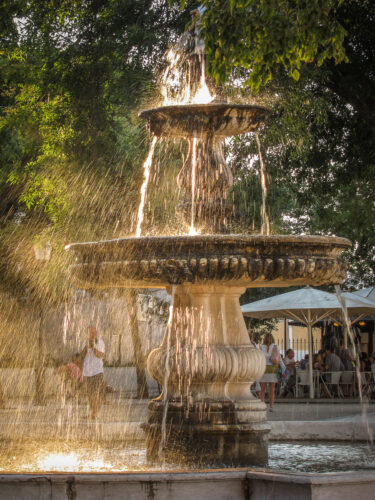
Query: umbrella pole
{"points": [[345, 335], [309, 334]]}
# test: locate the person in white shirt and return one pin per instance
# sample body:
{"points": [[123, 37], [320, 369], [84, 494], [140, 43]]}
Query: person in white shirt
{"points": [[92, 354]]}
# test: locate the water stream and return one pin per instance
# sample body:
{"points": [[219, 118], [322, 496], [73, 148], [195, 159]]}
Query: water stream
{"points": [[146, 177], [265, 225], [166, 380], [192, 229]]}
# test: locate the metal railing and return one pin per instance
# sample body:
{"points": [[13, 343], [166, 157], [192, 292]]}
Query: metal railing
{"points": [[300, 347]]}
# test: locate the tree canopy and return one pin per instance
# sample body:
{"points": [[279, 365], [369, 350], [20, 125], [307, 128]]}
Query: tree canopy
{"points": [[263, 35], [74, 75], [320, 140]]}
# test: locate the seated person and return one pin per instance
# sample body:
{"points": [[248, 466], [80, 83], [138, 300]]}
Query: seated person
{"points": [[372, 359], [365, 362], [319, 361], [332, 364], [304, 363]]}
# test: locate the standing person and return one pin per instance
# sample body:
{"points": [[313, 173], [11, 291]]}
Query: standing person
{"points": [[272, 354], [346, 357], [93, 353]]}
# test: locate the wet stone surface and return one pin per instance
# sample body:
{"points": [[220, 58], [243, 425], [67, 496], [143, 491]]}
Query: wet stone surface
{"points": [[64, 456]]}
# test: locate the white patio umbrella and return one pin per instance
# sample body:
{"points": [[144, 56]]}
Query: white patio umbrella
{"points": [[308, 306], [368, 293]]}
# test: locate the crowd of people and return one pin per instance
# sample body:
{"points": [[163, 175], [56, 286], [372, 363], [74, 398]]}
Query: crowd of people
{"points": [[281, 371]]}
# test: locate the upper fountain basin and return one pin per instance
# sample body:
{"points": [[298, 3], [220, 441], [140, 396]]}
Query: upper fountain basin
{"points": [[232, 260], [194, 120]]}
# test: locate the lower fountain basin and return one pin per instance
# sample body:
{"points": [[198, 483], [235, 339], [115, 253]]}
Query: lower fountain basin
{"points": [[234, 260]]}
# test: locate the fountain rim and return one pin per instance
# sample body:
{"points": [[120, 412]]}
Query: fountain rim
{"points": [[199, 240], [212, 106]]}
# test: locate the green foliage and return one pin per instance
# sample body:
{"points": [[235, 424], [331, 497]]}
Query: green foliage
{"points": [[263, 36], [73, 75], [319, 148]]}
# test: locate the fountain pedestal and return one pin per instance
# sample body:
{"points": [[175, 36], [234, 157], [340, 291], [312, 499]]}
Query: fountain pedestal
{"points": [[206, 365]]}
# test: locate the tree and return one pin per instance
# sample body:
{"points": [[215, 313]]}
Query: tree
{"points": [[320, 140], [262, 36], [74, 75]]}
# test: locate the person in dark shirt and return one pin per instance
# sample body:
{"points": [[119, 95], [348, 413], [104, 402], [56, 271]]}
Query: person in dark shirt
{"points": [[346, 358], [332, 362]]}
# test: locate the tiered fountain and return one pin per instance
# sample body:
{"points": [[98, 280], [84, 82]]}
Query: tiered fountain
{"points": [[206, 363]]}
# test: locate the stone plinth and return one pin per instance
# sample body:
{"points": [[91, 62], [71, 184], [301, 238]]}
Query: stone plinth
{"points": [[206, 365]]}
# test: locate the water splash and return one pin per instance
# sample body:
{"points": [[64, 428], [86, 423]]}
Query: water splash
{"points": [[184, 79], [171, 88], [265, 227], [146, 177], [192, 230], [203, 94], [166, 380]]}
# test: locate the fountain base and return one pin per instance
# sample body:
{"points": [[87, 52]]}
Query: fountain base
{"points": [[206, 365], [208, 433]]}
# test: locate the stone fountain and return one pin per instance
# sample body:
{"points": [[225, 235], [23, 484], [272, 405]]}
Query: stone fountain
{"points": [[206, 363]]}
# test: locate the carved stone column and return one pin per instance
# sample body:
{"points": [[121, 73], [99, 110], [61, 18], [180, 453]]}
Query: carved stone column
{"points": [[211, 416], [213, 179]]}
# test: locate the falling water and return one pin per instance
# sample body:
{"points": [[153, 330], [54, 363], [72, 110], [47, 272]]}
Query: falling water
{"points": [[166, 379], [146, 177], [171, 89], [348, 325], [265, 227], [203, 94], [192, 229], [179, 83]]}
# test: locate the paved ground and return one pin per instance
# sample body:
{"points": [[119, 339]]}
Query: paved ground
{"points": [[121, 418], [307, 411]]}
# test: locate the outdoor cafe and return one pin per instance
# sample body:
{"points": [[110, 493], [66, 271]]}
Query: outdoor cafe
{"points": [[319, 373]]}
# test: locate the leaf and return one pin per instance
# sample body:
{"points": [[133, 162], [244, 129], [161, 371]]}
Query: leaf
{"points": [[295, 74]]}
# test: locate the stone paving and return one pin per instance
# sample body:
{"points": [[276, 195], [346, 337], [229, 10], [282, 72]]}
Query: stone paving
{"points": [[307, 411], [120, 418]]}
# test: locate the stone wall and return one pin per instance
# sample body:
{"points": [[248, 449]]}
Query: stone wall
{"points": [[60, 332], [21, 382], [218, 485], [65, 327]]}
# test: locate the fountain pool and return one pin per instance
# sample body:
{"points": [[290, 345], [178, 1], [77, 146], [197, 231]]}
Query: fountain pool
{"points": [[30, 456]]}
